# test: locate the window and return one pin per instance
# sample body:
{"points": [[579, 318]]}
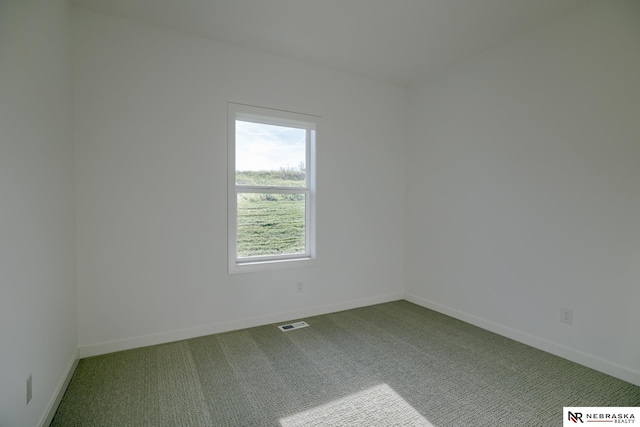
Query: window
{"points": [[271, 195]]}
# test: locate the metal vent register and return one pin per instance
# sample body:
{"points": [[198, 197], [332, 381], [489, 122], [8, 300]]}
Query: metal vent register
{"points": [[292, 326]]}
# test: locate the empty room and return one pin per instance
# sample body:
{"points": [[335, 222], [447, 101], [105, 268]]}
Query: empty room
{"points": [[319, 212]]}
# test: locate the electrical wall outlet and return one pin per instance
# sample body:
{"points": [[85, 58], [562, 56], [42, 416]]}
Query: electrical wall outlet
{"points": [[566, 315], [29, 389], [300, 287]]}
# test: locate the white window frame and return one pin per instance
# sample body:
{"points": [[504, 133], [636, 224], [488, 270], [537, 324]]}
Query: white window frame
{"points": [[279, 118]]}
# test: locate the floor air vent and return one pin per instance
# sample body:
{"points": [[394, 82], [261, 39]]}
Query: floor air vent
{"points": [[292, 326]]}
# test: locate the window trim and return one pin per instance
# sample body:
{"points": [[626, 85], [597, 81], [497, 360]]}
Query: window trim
{"points": [[280, 118]]}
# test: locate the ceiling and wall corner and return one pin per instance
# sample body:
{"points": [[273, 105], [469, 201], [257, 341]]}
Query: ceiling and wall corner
{"points": [[400, 41]]}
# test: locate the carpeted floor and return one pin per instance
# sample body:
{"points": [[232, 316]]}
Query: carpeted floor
{"points": [[394, 364]]}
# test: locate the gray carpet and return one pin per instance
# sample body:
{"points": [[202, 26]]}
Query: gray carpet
{"points": [[394, 364]]}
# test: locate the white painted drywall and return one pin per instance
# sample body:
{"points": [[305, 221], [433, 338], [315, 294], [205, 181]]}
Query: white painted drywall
{"points": [[523, 188], [150, 134], [38, 333]]}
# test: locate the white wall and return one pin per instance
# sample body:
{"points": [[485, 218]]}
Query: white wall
{"points": [[38, 332], [150, 131], [523, 188]]}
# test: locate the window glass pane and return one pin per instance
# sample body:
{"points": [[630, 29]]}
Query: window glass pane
{"points": [[271, 224], [270, 155]]}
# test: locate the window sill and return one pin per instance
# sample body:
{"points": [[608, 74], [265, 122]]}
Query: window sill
{"points": [[284, 264]]}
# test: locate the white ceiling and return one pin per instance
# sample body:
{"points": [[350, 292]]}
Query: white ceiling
{"points": [[396, 41]]}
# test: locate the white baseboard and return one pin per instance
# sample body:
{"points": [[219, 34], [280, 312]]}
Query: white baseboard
{"points": [[62, 387], [568, 353], [166, 337]]}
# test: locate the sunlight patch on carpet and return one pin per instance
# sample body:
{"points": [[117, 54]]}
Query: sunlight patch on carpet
{"points": [[378, 406]]}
